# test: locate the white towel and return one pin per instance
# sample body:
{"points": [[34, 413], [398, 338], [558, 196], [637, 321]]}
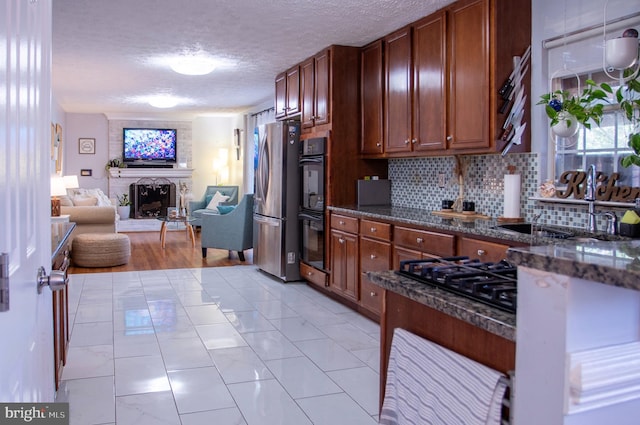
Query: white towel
{"points": [[429, 384]]}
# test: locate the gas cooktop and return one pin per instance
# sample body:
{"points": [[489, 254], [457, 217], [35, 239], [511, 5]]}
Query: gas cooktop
{"points": [[494, 284]]}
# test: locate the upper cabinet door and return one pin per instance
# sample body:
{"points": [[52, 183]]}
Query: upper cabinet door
{"points": [[398, 91], [469, 114], [322, 113], [429, 83], [307, 78], [293, 90], [372, 78], [281, 95]]}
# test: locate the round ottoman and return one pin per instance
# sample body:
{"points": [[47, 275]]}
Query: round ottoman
{"points": [[100, 249]]}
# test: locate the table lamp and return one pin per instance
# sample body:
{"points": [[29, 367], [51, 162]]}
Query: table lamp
{"points": [[57, 189], [71, 182]]}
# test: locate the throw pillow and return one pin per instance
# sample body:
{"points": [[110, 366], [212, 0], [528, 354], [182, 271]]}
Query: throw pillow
{"points": [[226, 209], [65, 201], [217, 198], [85, 201]]}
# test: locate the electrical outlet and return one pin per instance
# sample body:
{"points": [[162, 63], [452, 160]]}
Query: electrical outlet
{"points": [[441, 180]]}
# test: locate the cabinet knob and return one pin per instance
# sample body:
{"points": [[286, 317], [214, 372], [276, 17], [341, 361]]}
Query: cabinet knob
{"points": [[406, 142], [414, 141], [341, 223], [373, 230], [378, 144], [340, 240], [373, 256], [309, 274], [419, 240], [373, 294], [449, 138], [481, 252], [313, 117]]}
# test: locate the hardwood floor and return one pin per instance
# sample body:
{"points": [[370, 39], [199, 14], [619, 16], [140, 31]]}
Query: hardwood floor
{"points": [[147, 254]]}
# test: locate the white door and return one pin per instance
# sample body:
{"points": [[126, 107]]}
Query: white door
{"points": [[26, 356]]}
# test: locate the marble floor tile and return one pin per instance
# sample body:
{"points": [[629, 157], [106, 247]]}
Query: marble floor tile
{"points": [[239, 364], [225, 345], [335, 409], [271, 345], [328, 354], [361, 384], [301, 378], [147, 409], [136, 375], [200, 389], [91, 400], [267, 403]]}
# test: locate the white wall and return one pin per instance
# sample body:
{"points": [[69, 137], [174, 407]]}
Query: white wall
{"points": [[210, 134], [553, 18], [93, 126]]}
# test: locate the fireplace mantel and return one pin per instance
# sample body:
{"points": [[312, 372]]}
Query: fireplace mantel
{"points": [[150, 172]]}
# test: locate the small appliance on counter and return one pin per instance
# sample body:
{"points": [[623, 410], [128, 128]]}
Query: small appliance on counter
{"points": [[374, 192]]}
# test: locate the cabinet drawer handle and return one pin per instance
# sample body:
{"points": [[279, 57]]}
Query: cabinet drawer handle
{"points": [[481, 252], [340, 240], [373, 256], [373, 294], [342, 223], [414, 141], [449, 138], [373, 230], [419, 240], [309, 274]]}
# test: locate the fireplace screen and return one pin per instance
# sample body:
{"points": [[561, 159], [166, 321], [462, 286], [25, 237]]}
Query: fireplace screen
{"points": [[151, 197]]}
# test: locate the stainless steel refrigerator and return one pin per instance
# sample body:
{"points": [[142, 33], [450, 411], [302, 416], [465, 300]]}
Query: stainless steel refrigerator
{"points": [[276, 227]]}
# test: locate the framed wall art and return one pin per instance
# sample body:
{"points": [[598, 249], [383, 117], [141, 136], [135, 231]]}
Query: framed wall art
{"points": [[87, 146]]}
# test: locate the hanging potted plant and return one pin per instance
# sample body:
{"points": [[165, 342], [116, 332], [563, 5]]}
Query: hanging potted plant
{"points": [[567, 112], [124, 206], [628, 96]]}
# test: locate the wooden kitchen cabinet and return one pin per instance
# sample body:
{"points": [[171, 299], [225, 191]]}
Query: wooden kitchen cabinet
{"points": [[344, 257], [414, 244], [315, 86], [372, 83], [483, 250], [442, 76], [397, 106], [288, 93], [469, 71], [313, 275], [375, 255]]}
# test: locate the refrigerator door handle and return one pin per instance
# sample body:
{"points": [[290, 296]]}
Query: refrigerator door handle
{"points": [[266, 220]]}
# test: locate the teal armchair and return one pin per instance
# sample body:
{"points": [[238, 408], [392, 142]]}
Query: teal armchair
{"points": [[197, 208], [232, 231]]}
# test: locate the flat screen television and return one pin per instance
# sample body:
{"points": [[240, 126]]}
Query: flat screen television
{"points": [[150, 145]]}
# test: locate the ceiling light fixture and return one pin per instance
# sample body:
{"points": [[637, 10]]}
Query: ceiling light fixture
{"points": [[193, 65], [163, 102]]}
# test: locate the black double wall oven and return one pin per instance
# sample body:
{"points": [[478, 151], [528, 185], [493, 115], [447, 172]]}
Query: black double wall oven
{"points": [[312, 205]]}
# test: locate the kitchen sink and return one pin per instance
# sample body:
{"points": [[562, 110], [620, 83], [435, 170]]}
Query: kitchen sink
{"points": [[540, 231]]}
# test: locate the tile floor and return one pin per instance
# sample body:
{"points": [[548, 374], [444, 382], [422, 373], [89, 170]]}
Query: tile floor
{"points": [[224, 345]]}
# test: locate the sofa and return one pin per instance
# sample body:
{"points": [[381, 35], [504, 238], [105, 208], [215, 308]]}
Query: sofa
{"points": [[90, 209], [204, 206]]}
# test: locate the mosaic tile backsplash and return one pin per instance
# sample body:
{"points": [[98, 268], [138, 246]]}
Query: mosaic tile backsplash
{"points": [[414, 183]]}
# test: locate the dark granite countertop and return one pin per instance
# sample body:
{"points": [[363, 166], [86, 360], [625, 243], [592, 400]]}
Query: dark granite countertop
{"points": [[60, 233], [611, 263], [475, 313], [420, 217]]}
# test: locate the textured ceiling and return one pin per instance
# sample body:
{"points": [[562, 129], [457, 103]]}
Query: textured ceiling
{"points": [[108, 55]]}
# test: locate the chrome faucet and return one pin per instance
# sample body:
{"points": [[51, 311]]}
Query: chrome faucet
{"points": [[612, 222], [590, 197]]}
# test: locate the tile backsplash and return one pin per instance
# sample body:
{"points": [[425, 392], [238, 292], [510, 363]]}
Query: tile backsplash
{"points": [[414, 183]]}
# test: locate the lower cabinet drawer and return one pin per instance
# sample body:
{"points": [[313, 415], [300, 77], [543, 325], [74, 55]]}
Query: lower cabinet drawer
{"points": [[438, 244], [370, 295], [484, 250], [314, 275]]}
